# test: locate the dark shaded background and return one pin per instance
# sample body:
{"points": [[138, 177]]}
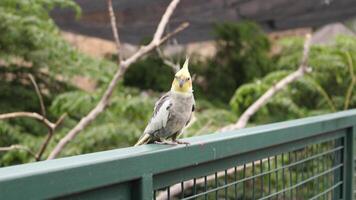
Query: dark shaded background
{"points": [[141, 16]]}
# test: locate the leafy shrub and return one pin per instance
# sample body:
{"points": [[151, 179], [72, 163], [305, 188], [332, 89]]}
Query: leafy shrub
{"points": [[242, 56], [330, 86], [149, 73]]}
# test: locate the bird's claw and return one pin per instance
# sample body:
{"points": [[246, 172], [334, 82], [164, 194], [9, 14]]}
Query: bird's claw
{"points": [[181, 142], [165, 142], [174, 142]]}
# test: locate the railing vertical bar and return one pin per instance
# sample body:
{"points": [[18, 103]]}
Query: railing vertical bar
{"points": [[337, 173], [235, 179], [324, 161], [269, 175], [195, 186], [296, 173], [216, 185], [349, 162], [182, 189], [314, 166], [321, 168], [302, 167], [332, 176], [290, 175], [307, 166], [225, 177], [168, 192], [244, 183], [253, 180], [262, 177], [283, 178], [276, 166], [206, 186], [146, 187]]}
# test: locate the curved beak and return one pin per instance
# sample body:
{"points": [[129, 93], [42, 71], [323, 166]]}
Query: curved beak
{"points": [[181, 83]]}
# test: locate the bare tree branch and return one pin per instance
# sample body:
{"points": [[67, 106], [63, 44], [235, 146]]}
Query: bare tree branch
{"points": [[242, 122], [43, 109], [164, 21], [303, 68], [123, 66], [180, 28], [17, 147], [114, 29]]}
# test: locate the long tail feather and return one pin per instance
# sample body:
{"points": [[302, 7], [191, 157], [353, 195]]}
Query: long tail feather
{"points": [[143, 140]]}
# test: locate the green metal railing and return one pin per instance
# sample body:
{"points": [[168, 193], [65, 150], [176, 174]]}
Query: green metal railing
{"points": [[310, 158]]}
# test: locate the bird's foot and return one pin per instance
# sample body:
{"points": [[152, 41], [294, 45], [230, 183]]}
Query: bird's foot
{"points": [[166, 142], [181, 142], [174, 142]]}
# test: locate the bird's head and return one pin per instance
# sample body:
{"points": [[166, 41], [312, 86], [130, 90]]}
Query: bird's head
{"points": [[182, 81]]}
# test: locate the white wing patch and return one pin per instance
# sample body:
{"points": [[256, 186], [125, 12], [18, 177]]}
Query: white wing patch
{"points": [[160, 119]]}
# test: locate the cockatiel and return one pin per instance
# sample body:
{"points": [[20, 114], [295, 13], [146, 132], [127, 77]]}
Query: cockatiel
{"points": [[172, 112]]}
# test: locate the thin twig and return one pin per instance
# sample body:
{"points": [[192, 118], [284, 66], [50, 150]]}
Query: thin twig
{"points": [[29, 115], [166, 61], [49, 137], [353, 81], [18, 147], [174, 66], [38, 92], [123, 66], [180, 28], [114, 29]]}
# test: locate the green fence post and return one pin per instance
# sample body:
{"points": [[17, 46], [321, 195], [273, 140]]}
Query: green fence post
{"points": [[354, 160], [146, 187], [349, 163]]}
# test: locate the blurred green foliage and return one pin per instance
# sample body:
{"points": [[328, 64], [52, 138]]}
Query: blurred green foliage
{"points": [[30, 43], [242, 56], [328, 88], [150, 73]]}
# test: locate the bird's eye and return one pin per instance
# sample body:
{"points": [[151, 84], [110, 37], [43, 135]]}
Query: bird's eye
{"points": [[188, 79]]}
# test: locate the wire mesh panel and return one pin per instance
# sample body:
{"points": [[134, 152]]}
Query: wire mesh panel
{"points": [[311, 172]]}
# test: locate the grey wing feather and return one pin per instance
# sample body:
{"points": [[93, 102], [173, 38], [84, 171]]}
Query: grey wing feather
{"points": [[159, 103], [160, 115], [191, 114]]}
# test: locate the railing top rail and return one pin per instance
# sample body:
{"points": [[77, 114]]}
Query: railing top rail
{"points": [[77, 173]]}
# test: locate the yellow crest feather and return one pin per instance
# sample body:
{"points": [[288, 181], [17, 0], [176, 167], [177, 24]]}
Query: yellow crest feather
{"points": [[182, 81], [184, 71]]}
